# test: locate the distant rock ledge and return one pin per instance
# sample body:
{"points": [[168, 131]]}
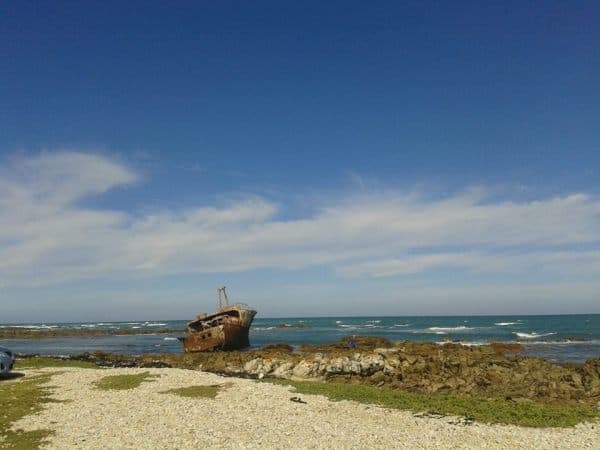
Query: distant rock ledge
{"points": [[36, 333]]}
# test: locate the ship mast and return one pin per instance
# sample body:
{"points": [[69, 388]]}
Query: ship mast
{"points": [[222, 294]]}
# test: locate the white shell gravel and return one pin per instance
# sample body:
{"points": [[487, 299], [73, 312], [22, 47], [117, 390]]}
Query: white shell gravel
{"points": [[251, 414]]}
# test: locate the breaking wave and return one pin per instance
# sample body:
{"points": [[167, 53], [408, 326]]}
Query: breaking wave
{"points": [[449, 329], [592, 342], [465, 344], [533, 335]]}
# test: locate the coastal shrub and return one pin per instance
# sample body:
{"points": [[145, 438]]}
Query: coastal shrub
{"points": [[40, 362], [122, 382], [196, 391], [21, 398], [529, 414]]}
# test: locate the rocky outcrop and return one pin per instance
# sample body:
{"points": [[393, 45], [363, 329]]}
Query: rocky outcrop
{"points": [[494, 371], [447, 369]]}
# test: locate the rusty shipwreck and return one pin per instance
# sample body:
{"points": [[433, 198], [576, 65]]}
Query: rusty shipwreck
{"points": [[227, 329]]}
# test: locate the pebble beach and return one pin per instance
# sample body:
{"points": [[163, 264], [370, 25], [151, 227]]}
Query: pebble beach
{"points": [[253, 414]]}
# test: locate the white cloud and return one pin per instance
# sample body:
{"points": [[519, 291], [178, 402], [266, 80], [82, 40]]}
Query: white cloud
{"points": [[61, 178], [47, 236], [410, 265], [579, 262]]}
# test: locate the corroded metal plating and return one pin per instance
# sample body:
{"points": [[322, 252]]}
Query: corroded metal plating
{"points": [[227, 329]]}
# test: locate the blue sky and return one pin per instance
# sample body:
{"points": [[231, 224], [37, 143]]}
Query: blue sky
{"points": [[338, 158]]}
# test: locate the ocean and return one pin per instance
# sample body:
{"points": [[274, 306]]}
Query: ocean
{"points": [[561, 338]]}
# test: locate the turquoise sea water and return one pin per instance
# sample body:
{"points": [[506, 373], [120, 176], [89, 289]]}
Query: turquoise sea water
{"points": [[564, 338]]}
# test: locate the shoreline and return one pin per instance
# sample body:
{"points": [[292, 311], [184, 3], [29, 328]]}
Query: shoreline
{"points": [[491, 371], [376, 395], [7, 332], [567, 351], [250, 414]]}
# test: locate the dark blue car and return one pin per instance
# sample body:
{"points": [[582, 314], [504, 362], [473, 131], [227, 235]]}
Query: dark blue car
{"points": [[7, 360]]}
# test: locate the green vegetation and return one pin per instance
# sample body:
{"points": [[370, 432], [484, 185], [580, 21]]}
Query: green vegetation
{"points": [[529, 414], [124, 381], [40, 362], [196, 391], [20, 398]]}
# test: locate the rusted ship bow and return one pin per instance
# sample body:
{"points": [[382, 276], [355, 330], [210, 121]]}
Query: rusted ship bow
{"points": [[227, 329]]}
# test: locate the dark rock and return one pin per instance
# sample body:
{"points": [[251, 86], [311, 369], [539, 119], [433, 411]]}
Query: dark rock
{"points": [[277, 348]]}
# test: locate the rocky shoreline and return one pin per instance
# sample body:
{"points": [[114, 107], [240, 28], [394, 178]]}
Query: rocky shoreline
{"points": [[490, 371]]}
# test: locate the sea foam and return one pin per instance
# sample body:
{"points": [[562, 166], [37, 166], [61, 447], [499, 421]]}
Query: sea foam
{"points": [[449, 329], [533, 335]]}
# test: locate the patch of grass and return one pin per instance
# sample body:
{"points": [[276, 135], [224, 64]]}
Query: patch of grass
{"points": [[122, 382], [40, 362], [19, 399], [196, 391], [527, 414]]}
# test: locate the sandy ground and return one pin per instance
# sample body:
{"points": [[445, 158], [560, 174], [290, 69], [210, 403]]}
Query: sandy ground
{"points": [[250, 414]]}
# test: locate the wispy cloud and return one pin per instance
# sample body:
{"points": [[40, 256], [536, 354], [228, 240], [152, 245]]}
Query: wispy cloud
{"points": [[574, 263], [47, 236]]}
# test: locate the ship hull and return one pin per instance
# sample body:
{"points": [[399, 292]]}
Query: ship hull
{"points": [[227, 329], [227, 336]]}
